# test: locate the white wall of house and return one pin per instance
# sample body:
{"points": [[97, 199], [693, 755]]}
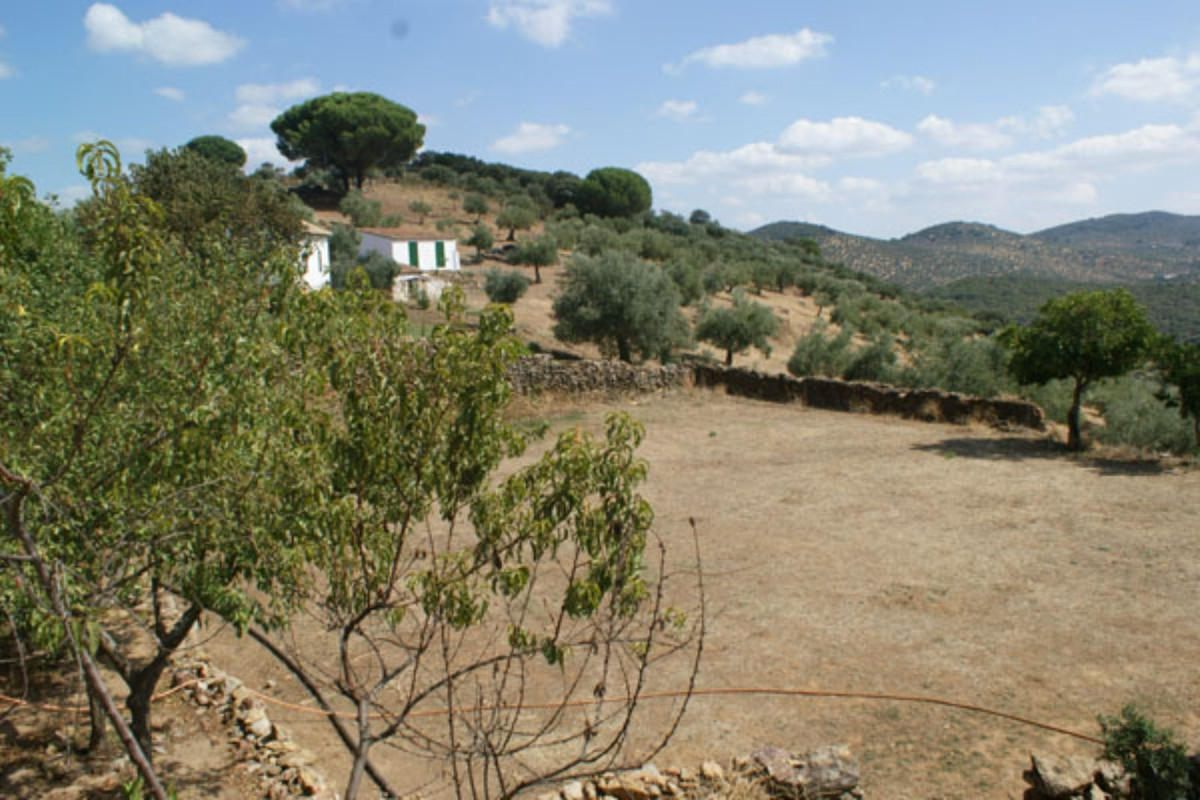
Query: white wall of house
{"points": [[316, 261], [425, 254]]}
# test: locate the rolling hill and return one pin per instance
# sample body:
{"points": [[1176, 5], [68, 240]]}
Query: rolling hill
{"points": [[1122, 248]]}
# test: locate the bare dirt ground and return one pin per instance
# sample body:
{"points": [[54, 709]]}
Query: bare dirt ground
{"points": [[873, 554]]}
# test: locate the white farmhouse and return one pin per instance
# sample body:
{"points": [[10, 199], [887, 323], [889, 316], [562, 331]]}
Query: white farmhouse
{"points": [[314, 255], [411, 250]]}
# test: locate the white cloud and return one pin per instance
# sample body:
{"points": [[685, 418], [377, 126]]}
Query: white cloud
{"points": [[743, 163], [761, 52], [252, 116], [678, 110], [260, 103], [531, 137], [753, 98], [260, 150], [269, 93], [428, 120], [910, 83], [844, 136], [545, 22], [1152, 79], [169, 39], [1049, 123], [6, 71], [171, 93], [973, 136]]}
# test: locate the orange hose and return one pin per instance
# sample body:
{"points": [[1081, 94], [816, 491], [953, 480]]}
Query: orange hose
{"points": [[717, 692]]}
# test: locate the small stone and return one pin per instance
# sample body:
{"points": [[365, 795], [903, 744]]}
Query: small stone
{"points": [[310, 780], [1112, 778], [548, 796], [589, 791], [712, 772], [573, 790]]}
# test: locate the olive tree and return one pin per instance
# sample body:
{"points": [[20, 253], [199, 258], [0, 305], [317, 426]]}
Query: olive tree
{"points": [[536, 253], [739, 327], [1083, 337], [621, 303], [349, 133]]}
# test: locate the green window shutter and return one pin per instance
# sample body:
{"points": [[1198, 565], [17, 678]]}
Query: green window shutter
{"points": [[440, 254], [414, 258]]}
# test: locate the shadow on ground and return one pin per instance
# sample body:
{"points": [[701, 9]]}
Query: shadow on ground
{"points": [[1019, 448]]}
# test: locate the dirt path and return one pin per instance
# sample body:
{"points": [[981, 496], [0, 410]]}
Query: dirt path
{"points": [[879, 555]]}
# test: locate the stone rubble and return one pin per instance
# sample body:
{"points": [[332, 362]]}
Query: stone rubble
{"points": [[1053, 777], [266, 749], [770, 772]]}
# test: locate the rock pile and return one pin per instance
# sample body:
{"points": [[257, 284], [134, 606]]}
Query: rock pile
{"points": [[1064, 778], [284, 769], [770, 772]]}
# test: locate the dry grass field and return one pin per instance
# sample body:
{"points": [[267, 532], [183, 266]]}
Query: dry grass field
{"points": [[871, 554]]}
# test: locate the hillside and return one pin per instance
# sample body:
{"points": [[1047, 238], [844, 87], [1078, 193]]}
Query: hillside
{"points": [[1118, 249], [1173, 308]]}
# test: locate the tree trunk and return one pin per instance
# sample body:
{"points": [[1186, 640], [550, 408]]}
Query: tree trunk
{"points": [[729, 356], [361, 750], [142, 681], [1074, 422], [537, 274], [623, 352]]}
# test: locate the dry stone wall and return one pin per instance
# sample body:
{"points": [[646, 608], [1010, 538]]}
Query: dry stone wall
{"points": [[544, 374]]}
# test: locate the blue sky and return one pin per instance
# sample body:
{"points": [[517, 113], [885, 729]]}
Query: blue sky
{"points": [[876, 117]]}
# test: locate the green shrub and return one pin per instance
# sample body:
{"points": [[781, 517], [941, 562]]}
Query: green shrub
{"points": [[956, 364], [875, 362], [1135, 415], [819, 353], [1157, 763], [504, 286]]}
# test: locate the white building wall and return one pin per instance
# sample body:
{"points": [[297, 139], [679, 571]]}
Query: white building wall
{"points": [[398, 251], [316, 262]]}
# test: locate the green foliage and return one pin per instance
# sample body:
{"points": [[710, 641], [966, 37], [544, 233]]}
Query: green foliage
{"points": [[622, 304], [1084, 336], [820, 354], [349, 133], [958, 363], [142, 417], [365, 213], [875, 362], [202, 199], [421, 209], [737, 328], [1158, 764], [219, 149], [476, 204], [536, 253], [1135, 416], [613, 192], [504, 286], [481, 239], [1180, 364], [518, 214]]}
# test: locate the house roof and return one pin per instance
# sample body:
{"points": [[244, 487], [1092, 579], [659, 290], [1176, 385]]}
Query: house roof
{"points": [[405, 235], [314, 230]]}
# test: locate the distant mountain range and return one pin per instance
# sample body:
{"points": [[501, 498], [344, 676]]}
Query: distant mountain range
{"points": [[1120, 248]]}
